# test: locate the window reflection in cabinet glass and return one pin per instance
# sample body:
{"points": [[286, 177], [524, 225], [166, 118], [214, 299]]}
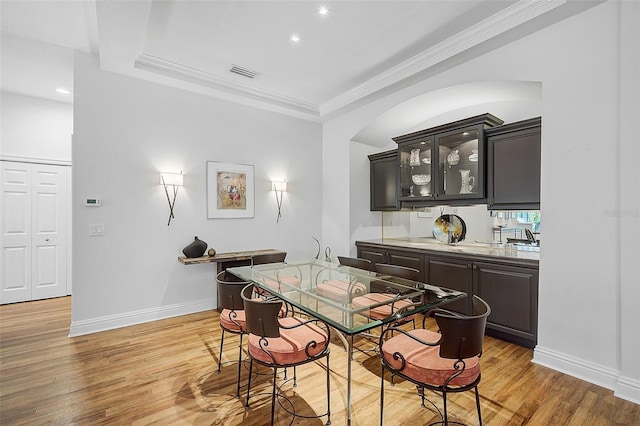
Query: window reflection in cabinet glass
{"points": [[458, 163]]}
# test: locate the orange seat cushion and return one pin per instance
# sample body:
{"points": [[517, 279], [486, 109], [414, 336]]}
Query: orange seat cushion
{"points": [[423, 363], [290, 347], [383, 311], [288, 280], [338, 290], [234, 322]]}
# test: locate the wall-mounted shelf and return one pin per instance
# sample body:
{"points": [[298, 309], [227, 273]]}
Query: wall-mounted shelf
{"points": [[225, 258]]}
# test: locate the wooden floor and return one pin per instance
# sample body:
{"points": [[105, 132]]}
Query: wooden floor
{"points": [[165, 373]]}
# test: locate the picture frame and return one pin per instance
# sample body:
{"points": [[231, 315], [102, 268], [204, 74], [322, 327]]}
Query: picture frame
{"points": [[230, 190]]}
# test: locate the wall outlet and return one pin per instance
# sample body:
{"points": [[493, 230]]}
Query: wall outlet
{"points": [[426, 212]]}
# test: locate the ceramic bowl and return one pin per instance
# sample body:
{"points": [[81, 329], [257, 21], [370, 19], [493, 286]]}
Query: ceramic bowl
{"points": [[421, 179]]}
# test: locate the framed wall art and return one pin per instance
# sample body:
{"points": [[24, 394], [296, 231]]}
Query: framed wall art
{"points": [[230, 190]]}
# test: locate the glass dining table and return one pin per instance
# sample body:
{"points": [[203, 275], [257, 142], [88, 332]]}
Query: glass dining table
{"points": [[304, 286]]}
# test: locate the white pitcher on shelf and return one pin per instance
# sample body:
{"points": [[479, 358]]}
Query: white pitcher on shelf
{"points": [[468, 181], [415, 157]]}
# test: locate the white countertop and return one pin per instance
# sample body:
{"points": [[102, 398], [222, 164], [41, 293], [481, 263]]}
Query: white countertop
{"points": [[484, 249]]}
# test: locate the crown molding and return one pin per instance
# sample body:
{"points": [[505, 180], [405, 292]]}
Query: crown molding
{"points": [[194, 76], [506, 19]]}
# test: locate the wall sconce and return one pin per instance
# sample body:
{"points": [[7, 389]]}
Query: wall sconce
{"points": [[279, 186], [174, 180]]}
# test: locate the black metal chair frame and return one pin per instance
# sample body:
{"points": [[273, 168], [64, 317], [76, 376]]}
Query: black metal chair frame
{"points": [[262, 321], [261, 259], [461, 338], [389, 272], [397, 271], [230, 297], [355, 262]]}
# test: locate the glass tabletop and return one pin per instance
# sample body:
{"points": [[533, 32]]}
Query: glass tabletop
{"points": [[327, 291]]}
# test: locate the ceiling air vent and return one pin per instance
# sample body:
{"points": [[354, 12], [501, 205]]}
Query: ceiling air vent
{"points": [[243, 71]]}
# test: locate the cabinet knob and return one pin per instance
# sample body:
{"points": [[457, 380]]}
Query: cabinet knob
{"points": [[47, 240]]}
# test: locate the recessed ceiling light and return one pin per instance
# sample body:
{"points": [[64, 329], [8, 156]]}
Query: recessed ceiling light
{"points": [[323, 10], [63, 91], [295, 38]]}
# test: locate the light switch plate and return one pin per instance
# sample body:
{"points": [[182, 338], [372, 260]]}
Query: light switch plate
{"points": [[96, 229]]}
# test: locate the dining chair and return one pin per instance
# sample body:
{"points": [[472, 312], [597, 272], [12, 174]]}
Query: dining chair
{"points": [[343, 290], [355, 262], [378, 293], [276, 342], [445, 361], [232, 316], [261, 259]]}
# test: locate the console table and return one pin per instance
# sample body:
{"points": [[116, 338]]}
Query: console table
{"points": [[227, 260]]}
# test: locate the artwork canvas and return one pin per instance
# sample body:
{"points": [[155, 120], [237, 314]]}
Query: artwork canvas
{"points": [[230, 190]]}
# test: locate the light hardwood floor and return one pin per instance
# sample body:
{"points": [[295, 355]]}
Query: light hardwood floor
{"points": [[164, 372]]}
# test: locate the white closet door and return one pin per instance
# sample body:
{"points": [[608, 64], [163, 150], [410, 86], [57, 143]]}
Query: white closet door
{"points": [[33, 226], [15, 218], [49, 231]]}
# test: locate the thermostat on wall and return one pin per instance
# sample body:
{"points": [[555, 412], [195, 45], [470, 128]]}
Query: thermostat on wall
{"points": [[93, 202]]}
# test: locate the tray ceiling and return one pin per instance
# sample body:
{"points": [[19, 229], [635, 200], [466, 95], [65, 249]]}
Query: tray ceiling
{"points": [[357, 49]]}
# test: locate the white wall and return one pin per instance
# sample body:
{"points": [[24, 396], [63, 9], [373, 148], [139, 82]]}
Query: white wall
{"points": [[578, 61], [35, 129], [125, 132], [629, 195]]}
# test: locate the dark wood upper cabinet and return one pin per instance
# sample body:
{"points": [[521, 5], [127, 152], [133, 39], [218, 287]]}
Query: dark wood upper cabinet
{"points": [[384, 181], [444, 164], [513, 166]]}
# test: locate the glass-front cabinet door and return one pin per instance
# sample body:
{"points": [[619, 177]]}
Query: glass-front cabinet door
{"points": [[460, 172], [416, 169], [444, 164]]}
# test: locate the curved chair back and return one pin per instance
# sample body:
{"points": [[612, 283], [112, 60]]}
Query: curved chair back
{"points": [[462, 336], [355, 262], [261, 259], [397, 271], [261, 314], [229, 291]]}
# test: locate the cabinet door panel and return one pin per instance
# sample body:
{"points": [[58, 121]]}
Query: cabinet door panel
{"points": [[375, 256], [514, 166], [512, 294], [383, 181], [408, 259], [453, 274]]}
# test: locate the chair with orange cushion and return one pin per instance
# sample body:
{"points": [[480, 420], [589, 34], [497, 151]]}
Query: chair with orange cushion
{"points": [[232, 318], [378, 294], [261, 259], [283, 342], [343, 290], [355, 262], [445, 361]]}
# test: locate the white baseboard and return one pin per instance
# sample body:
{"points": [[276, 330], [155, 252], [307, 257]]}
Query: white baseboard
{"points": [[94, 325], [625, 388], [628, 389]]}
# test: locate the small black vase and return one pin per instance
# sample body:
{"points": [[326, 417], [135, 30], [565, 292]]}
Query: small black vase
{"points": [[195, 249]]}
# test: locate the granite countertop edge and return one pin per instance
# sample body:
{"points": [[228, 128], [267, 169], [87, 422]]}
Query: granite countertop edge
{"points": [[430, 244]]}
